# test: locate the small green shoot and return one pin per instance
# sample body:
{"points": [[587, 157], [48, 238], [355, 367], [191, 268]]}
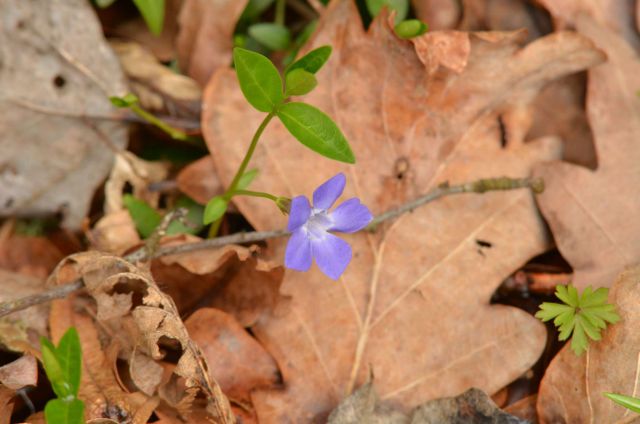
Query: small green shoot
{"points": [[63, 366], [401, 7], [582, 316], [152, 12], [271, 35], [411, 28], [629, 402]]}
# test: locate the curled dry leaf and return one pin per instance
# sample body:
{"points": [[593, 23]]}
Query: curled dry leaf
{"points": [[199, 180], [157, 86], [588, 229], [414, 303], [139, 173], [572, 387], [205, 38], [236, 360], [128, 298], [232, 278], [53, 83], [114, 233], [438, 14], [20, 373]]}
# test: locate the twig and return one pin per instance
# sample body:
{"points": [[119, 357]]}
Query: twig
{"points": [[144, 253]]}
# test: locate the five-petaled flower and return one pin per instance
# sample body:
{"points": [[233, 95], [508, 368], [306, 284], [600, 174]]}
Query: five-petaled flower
{"points": [[310, 228]]}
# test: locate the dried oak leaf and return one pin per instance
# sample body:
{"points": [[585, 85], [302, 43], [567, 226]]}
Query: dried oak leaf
{"points": [[592, 214], [236, 360], [20, 373], [414, 302], [57, 73], [205, 38], [199, 180], [130, 300], [571, 390]]}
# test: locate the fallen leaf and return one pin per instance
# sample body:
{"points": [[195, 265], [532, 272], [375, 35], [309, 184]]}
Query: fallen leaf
{"points": [[438, 14], [54, 90], [199, 180], [525, 408], [414, 303], [236, 360], [472, 406], [130, 303], [20, 373], [35, 256], [158, 87], [586, 227], [205, 38], [6, 404], [232, 278], [114, 233], [573, 386]]}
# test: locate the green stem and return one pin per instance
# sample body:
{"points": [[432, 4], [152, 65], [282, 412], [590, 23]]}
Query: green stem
{"points": [[228, 194], [175, 133], [255, 194], [247, 157], [280, 5]]}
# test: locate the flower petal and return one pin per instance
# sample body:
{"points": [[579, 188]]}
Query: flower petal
{"points": [[299, 214], [332, 254], [298, 254], [350, 216], [327, 194]]}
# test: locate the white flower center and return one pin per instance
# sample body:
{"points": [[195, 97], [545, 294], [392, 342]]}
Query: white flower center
{"points": [[318, 223]]}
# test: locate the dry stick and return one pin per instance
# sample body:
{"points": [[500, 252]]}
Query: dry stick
{"points": [[145, 253]]}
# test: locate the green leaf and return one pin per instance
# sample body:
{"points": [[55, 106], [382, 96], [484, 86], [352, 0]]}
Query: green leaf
{"points": [[272, 36], [255, 8], [591, 330], [247, 178], [550, 310], [579, 340], [259, 79], [60, 411], [53, 369], [69, 355], [562, 293], [593, 318], [152, 12], [215, 209], [400, 6], [313, 61], [144, 216], [195, 212], [127, 100], [594, 298], [299, 82], [567, 328], [300, 41], [411, 28], [316, 130], [628, 402]]}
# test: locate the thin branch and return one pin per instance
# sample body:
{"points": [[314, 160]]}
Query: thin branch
{"points": [[145, 253]]}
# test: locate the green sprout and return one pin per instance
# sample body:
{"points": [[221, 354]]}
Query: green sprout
{"points": [[582, 316], [629, 402]]}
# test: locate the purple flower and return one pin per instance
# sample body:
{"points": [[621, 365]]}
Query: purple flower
{"points": [[310, 228]]}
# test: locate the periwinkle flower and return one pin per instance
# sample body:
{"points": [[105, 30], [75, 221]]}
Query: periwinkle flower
{"points": [[311, 225]]}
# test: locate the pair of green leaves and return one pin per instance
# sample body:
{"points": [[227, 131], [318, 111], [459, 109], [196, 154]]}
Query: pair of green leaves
{"points": [[581, 315], [262, 86], [217, 206], [63, 366]]}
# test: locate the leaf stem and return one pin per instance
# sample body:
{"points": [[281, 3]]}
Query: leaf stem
{"points": [[255, 194], [280, 8], [175, 133]]}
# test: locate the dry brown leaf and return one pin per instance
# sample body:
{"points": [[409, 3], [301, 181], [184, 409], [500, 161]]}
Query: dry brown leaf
{"points": [[597, 232], [233, 278], [114, 233], [130, 303], [20, 373], [53, 82], [205, 38], [35, 256], [571, 390], [6, 404], [525, 408], [25, 326], [616, 15], [139, 173], [413, 304], [438, 14], [157, 86], [236, 360], [199, 180]]}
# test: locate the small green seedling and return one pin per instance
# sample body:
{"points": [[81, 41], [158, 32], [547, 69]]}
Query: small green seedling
{"points": [[582, 316], [63, 365], [629, 402]]}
